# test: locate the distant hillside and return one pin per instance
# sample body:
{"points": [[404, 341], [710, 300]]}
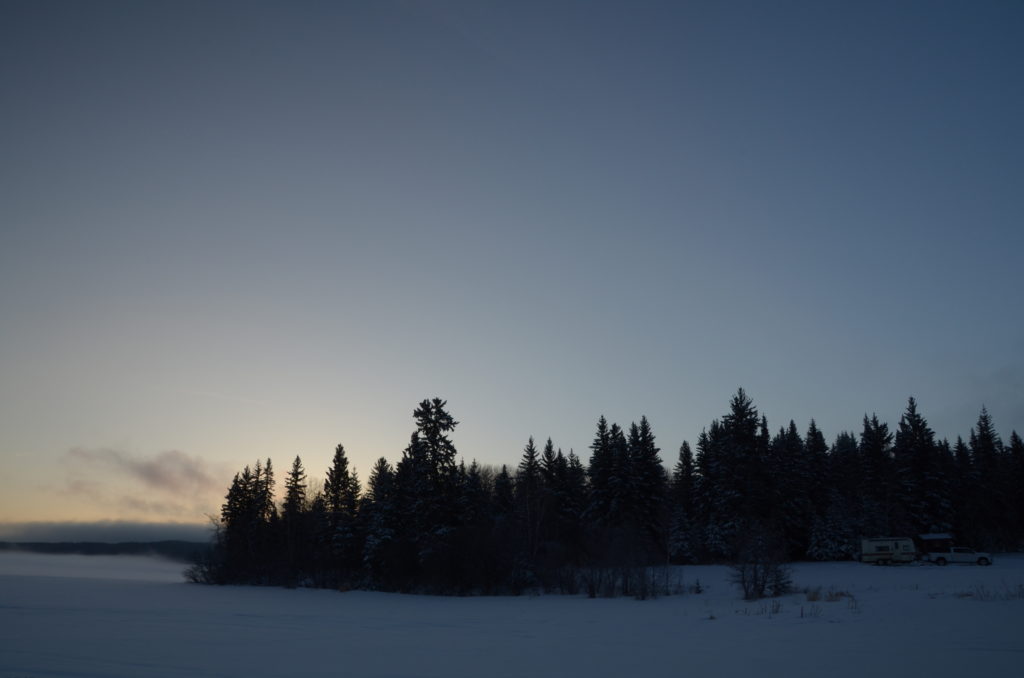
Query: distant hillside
{"points": [[184, 551]]}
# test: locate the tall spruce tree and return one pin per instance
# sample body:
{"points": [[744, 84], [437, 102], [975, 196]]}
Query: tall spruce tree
{"points": [[878, 479], [743, 483], [834, 534], [921, 495], [684, 538], [341, 499], [816, 462], [295, 491], [790, 477], [650, 488], [379, 518], [1015, 477], [412, 518], [600, 472], [433, 425], [962, 488], [295, 520], [988, 502], [504, 494], [529, 485]]}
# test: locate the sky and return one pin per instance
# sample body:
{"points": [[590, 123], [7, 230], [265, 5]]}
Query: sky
{"points": [[232, 231]]}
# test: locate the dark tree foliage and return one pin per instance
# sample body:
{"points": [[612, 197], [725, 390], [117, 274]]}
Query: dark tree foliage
{"points": [[684, 537], [988, 496], [600, 470], [1015, 482], [341, 537], [922, 492], [529, 500], [295, 519], [650, 490], [834, 532], [430, 523], [378, 518], [792, 481], [878, 480]]}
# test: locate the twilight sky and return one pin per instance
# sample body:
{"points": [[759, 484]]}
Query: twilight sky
{"points": [[231, 231]]}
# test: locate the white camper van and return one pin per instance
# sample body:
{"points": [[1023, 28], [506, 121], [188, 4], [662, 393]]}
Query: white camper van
{"points": [[887, 550]]}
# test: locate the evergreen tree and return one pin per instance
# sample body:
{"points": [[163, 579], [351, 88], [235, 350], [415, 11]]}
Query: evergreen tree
{"points": [[528, 488], [1015, 477], [988, 503], [265, 522], [843, 469], [650, 487], [683, 536], [504, 497], [549, 466], [835, 531], [434, 423], [295, 492], [475, 548], [441, 502], [816, 467], [554, 471], [576, 490], [621, 490], [600, 473], [791, 480], [878, 479], [505, 535], [963, 490], [415, 524], [294, 517], [379, 518], [922, 497], [341, 498], [248, 517], [716, 500], [742, 483]]}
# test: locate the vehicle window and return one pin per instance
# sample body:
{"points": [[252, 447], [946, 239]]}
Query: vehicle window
{"points": [[881, 548], [962, 550]]}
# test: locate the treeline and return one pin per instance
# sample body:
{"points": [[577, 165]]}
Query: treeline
{"points": [[184, 551], [432, 524]]}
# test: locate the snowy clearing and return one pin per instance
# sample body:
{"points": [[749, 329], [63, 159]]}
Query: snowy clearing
{"points": [[128, 616]]}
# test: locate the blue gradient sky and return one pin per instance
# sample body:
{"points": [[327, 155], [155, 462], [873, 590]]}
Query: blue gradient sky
{"points": [[231, 231]]}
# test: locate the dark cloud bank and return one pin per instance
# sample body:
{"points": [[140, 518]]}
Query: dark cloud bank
{"points": [[170, 486], [107, 531], [170, 471]]}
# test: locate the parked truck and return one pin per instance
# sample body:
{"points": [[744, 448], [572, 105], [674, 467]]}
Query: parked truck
{"points": [[959, 554], [887, 550]]}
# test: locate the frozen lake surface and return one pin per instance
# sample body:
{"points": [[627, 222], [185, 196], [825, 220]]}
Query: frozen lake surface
{"points": [[133, 616]]}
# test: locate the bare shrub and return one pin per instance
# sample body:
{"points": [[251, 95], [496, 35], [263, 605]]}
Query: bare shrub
{"points": [[1008, 592], [813, 611], [760, 570], [833, 596]]}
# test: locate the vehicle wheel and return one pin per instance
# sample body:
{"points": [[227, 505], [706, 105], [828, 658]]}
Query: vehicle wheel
{"points": [[940, 561], [984, 561]]}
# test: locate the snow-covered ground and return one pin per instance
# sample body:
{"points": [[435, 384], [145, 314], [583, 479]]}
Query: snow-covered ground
{"points": [[127, 616]]}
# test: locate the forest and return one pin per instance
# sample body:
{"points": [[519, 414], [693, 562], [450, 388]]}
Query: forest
{"points": [[554, 522]]}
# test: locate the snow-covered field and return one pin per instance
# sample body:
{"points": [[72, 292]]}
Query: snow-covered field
{"points": [[128, 616]]}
